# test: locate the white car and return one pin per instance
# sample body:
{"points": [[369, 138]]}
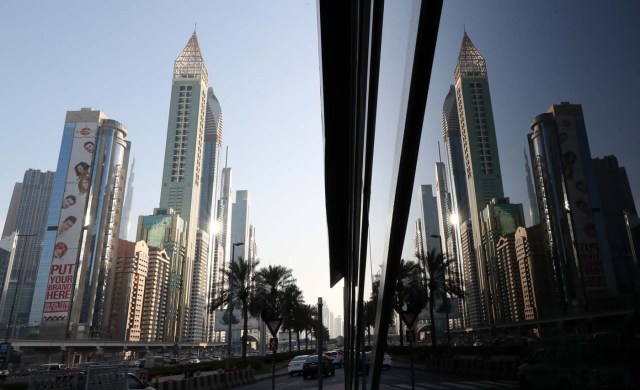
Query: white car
{"points": [[194, 360], [295, 365]]}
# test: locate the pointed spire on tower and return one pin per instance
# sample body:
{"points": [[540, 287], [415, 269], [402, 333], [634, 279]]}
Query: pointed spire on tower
{"points": [[190, 63], [470, 61]]}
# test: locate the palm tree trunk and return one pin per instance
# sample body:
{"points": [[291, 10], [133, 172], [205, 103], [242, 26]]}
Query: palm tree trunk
{"points": [[431, 316], [244, 337], [400, 329], [289, 340], [298, 339]]}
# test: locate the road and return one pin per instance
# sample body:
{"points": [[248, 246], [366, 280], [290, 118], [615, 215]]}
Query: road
{"points": [[396, 378]]}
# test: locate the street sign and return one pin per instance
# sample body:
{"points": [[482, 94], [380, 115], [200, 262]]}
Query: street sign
{"points": [[408, 318], [273, 344], [274, 324]]}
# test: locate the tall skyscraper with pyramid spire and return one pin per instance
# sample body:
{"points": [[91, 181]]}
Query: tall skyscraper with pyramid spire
{"points": [[183, 159], [480, 151]]}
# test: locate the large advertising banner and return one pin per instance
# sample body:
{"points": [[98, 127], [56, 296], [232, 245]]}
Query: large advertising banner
{"points": [[66, 250], [237, 322], [586, 237]]}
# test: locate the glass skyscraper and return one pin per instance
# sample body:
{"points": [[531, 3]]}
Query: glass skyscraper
{"points": [[570, 209], [72, 290], [31, 207]]}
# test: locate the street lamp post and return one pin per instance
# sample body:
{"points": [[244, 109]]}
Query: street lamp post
{"points": [[18, 285], [231, 303], [445, 298]]}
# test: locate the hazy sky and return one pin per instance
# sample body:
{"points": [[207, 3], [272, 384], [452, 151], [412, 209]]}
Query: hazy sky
{"points": [[262, 58]]}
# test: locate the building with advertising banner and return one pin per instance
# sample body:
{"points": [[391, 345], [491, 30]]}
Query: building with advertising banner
{"points": [[569, 206], [71, 298]]}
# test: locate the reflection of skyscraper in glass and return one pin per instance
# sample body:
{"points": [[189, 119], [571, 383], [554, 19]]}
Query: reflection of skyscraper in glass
{"points": [[570, 209], [183, 159], [72, 290], [30, 208], [480, 148]]}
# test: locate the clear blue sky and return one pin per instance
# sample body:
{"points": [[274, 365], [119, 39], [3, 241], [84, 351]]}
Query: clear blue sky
{"points": [[262, 57]]}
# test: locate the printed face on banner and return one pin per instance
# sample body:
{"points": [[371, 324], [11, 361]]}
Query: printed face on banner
{"points": [[66, 249], [586, 238]]}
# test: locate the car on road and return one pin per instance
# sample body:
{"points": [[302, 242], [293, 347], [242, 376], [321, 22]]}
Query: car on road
{"points": [[194, 360], [133, 382], [578, 364], [310, 367], [335, 357], [295, 365]]}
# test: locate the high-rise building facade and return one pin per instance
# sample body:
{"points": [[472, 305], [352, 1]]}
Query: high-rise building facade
{"points": [[166, 230], [222, 252], [616, 200], [72, 292], [211, 162], [154, 309], [208, 220], [455, 156], [183, 159], [509, 300], [570, 210], [198, 308], [500, 218], [131, 267], [240, 225], [480, 149], [31, 207], [125, 223], [535, 274], [531, 193], [430, 222]]}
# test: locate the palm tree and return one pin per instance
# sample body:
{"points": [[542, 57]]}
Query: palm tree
{"points": [[369, 317], [292, 299], [239, 275], [433, 270], [299, 320], [310, 313], [270, 283], [409, 293]]}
